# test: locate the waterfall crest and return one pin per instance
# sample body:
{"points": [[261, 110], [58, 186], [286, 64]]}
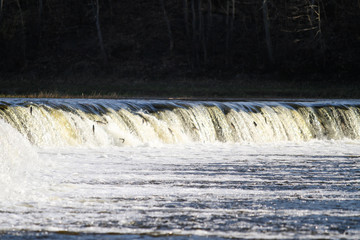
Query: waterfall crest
{"points": [[74, 122]]}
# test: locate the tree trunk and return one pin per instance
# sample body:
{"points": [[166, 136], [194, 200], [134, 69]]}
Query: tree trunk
{"points": [[111, 24], [208, 35], [210, 16], [41, 7], [232, 20], [1, 8], [202, 40], [195, 33], [312, 12], [23, 33], [186, 18], [227, 41], [111, 9], [319, 18], [233, 16], [168, 25], [267, 31], [200, 20], [99, 33]]}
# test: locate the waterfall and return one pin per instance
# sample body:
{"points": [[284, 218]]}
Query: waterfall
{"points": [[75, 122], [19, 162]]}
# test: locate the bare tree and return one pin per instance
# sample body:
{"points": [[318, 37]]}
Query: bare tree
{"points": [[186, 17], [267, 30], [195, 41], [1, 8], [23, 32], [317, 12], [168, 25], [202, 39], [227, 41], [199, 39], [111, 9], [96, 7], [210, 17], [208, 29], [41, 7], [231, 31], [232, 16]]}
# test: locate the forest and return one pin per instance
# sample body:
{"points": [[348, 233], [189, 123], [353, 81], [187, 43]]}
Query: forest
{"points": [[47, 43]]}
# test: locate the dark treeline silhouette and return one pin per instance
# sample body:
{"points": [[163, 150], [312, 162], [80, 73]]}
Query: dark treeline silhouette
{"points": [[160, 38]]}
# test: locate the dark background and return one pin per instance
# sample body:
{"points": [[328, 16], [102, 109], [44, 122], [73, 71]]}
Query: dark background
{"points": [[224, 48]]}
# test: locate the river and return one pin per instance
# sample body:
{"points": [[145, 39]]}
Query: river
{"points": [[171, 169]]}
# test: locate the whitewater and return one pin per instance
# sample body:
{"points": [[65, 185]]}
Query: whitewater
{"points": [[175, 169]]}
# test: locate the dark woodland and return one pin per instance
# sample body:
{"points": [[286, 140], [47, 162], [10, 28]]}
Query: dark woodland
{"points": [[91, 44]]}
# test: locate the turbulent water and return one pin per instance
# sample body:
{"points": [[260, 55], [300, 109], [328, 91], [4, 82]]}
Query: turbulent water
{"points": [[110, 169]]}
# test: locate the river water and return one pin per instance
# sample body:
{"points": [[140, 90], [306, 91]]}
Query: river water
{"points": [[136, 169]]}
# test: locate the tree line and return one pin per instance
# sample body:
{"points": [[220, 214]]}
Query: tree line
{"points": [[235, 36]]}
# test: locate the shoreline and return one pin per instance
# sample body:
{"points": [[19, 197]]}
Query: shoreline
{"points": [[190, 99], [240, 87]]}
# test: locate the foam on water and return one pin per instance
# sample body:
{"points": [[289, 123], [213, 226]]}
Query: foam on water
{"points": [[185, 169], [281, 190], [51, 123], [19, 166]]}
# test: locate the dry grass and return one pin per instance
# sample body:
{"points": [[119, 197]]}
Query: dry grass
{"points": [[57, 94], [240, 88]]}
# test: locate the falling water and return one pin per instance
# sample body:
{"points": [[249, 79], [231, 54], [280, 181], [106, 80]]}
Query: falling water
{"points": [[129, 169], [130, 122]]}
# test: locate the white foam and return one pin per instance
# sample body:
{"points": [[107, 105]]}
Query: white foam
{"points": [[94, 123], [272, 182], [217, 189], [19, 164]]}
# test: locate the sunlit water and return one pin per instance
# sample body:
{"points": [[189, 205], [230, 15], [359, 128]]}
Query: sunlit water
{"points": [[268, 190], [284, 190]]}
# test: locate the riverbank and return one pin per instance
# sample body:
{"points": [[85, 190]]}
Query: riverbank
{"points": [[178, 50], [238, 87]]}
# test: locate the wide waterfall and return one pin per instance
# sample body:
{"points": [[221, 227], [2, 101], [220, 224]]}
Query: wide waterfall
{"points": [[175, 169], [54, 122]]}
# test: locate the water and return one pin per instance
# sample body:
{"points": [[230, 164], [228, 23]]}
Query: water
{"points": [[297, 178]]}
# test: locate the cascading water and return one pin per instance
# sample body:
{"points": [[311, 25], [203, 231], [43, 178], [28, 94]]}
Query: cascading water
{"points": [[131, 169], [19, 163], [121, 122]]}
